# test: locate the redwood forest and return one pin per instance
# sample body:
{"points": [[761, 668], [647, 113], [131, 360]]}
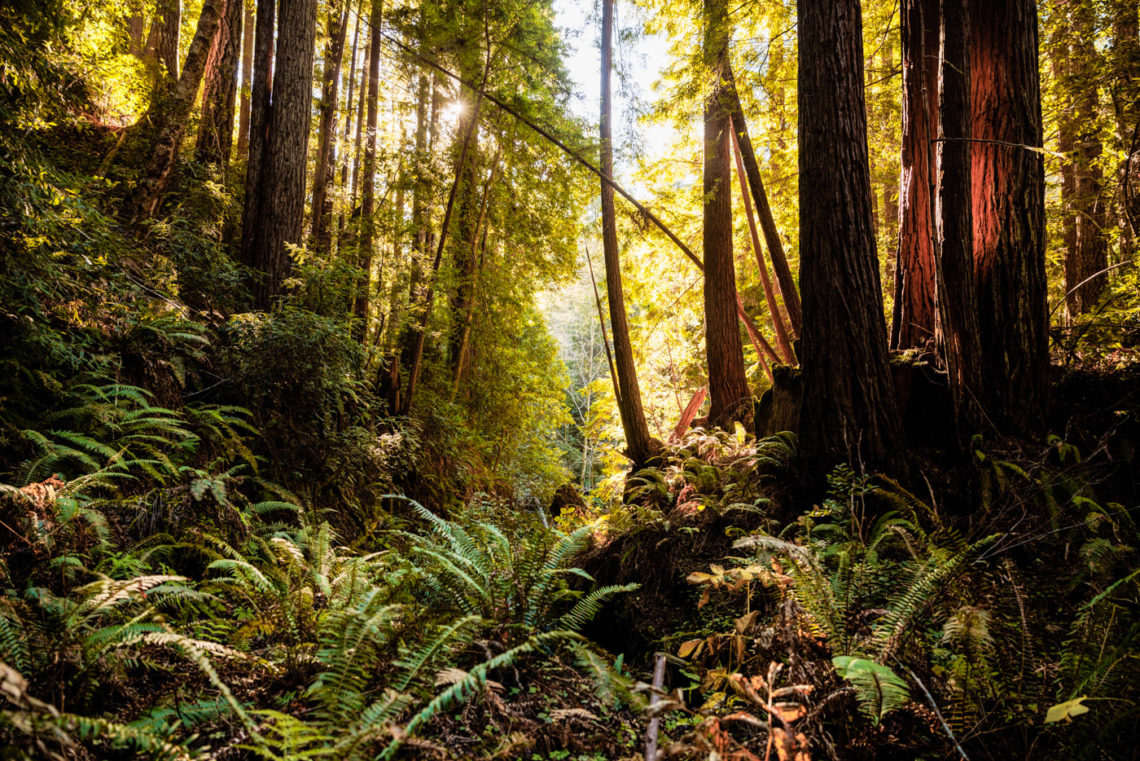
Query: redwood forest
{"points": [[570, 380]]}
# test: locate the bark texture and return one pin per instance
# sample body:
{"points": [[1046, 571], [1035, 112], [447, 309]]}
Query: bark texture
{"points": [[850, 413], [956, 292], [1009, 210], [164, 37], [171, 113], [914, 309], [728, 386], [280, 184], [219, 93]]}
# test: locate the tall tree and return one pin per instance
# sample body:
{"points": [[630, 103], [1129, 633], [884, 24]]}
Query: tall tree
{"points": [[849, 412], [1086, 249], [914, 308], [368, 184], [246, 78], [275, 181], [728, 385], [325, 172], [637, 439], [955, 292], [1009, 210], [170, 114], [216, 128]]}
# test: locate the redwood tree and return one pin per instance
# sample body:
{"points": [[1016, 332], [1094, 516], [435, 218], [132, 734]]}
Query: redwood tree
{"points": [[914, 309], [956, 292], [1009, 210], [277, 189], [325, 172], [219, 93], [368, 181], [728, 385], [637, 439], [849, 412]]}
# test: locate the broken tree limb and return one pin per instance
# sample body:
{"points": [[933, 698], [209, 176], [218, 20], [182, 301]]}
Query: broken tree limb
{"points": [[782, 338], [688, 415], [767, 223]]}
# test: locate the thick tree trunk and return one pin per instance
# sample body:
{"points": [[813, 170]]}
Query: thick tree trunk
{"points": [[368, 184], [914, 311], [956, 293], [246, 77], [216, 130], [784, 280], [171, 114], [281, 186], [1125, 55], [850, 413], [325, 172], [1086, 250], [639, 445], [1009, 211], [260, 91], [728, 385]]}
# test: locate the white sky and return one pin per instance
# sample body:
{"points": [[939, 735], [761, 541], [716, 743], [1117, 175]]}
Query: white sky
{"points": [[580, 21]]}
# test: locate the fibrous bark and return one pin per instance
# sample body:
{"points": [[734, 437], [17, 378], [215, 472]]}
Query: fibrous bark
{"points": [[728, 386], [914, 308], [850, 413], [325, 171], [1009, 210], [216, 129]]}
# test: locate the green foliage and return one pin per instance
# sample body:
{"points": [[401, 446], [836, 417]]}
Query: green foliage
{"points": [[878, 689]]}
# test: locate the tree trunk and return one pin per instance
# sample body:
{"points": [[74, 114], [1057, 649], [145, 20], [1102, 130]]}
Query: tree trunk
{"points": [[420, 334], [359, 139], [164, 37], [639, 446], [955, 292], [348, 121], [281, 185], [260, 91], [325, 172], [1125, 91], [368, 184], [784, 280], [728, 385], [246, 77], [171, 114], [850, 413], [914, 310], [216, 130], [1086, 250], [465, 240], [1009, 211]]}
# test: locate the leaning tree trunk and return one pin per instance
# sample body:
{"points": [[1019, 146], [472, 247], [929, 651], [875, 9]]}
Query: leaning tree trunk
{"points": [[638, 442], [216, 129], [914, 310], [171, 114], [368, 183], [325, 172], [282, 183], [728, 385], [849, 411], [1009, 211], [956, 293]]}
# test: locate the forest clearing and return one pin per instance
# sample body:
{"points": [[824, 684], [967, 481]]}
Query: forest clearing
{"points": [[570, 381]]}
